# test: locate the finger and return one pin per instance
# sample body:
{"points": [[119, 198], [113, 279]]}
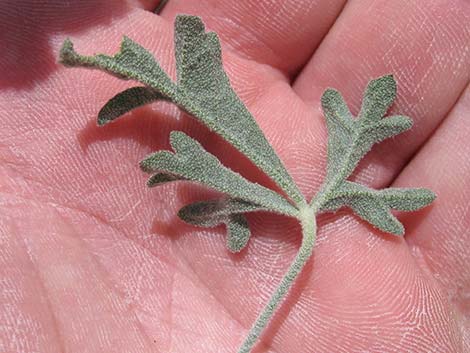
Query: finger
{"points": [[424, 44], [441, 243], [282, 34]]}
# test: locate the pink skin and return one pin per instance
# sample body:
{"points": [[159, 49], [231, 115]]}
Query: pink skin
{"points": [[92, 261]]}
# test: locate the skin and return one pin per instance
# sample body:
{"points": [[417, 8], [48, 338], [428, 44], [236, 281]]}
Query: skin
{"points": [[92, 261]]}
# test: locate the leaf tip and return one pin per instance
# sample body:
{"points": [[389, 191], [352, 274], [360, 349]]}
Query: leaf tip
{"points": [[328, 95], [394, 227], [407, 122], [401, 123], [387, 81], [428, 197], [398, 231], [67, 54], [178, 139], [102, 120], [176, 135], [146, 165], [189, 22]]}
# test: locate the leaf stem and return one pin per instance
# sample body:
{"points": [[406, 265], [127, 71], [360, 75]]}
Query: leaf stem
{"points": [[308, 223]]}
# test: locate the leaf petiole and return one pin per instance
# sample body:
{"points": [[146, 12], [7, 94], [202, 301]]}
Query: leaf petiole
{"points": [[309, 227]]}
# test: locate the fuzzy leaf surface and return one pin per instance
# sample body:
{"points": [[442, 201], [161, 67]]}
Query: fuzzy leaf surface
{"points": [[131, 62], [162, 178], [204, 90], [349, 140], [192, 162], [126, 101], [214, 212], [378, 97], [238, 233], [341, 129], [226, 211], [374, 206], [368, 135]]}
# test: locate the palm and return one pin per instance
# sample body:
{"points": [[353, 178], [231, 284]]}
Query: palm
{"points": [[92, 261]]}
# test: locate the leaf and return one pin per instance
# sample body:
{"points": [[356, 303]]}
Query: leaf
{"points": [[204, 90], [374, 205], [132, 62], [349, 140], [377, 214], [405, 199], [341, 129], [238, 233], [378, 97], [372, 134], [126, 101], [162, 178], [386, 128], [190, 161], [214, 212], [224, 210]]}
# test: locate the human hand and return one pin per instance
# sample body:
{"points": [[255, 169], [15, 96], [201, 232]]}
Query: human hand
{"points": [[92, 261]]}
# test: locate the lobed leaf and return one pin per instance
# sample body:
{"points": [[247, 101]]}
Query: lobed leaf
{"points": [[204, 90], [374, 205], [131, 62], [190, 161], [126, 101], [226, 211], [350, 139]]}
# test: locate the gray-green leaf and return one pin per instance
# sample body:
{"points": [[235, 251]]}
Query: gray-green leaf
{"points": [[204, 90], [374, 205], [369, 135], [190, 161], [162, 178], [225, 210], [376, 213], [350, 139], [214, 212], [341, 130], [407, 199], [378, 97], [132, 62], [126, 101], [238, 233]]}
